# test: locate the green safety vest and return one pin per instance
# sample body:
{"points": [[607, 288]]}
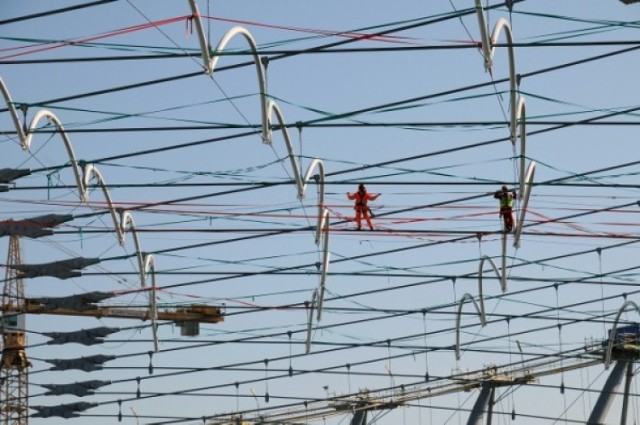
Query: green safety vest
{"points": [[506, 200]]}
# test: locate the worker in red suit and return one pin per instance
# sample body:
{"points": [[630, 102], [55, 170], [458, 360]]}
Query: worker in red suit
{"points": [[506, 197], [362, 210]]}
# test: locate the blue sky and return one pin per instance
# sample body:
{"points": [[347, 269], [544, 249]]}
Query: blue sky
{"points": [[414, 115]]}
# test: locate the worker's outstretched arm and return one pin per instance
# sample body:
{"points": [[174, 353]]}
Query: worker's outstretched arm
{"points": [[351, 196]]}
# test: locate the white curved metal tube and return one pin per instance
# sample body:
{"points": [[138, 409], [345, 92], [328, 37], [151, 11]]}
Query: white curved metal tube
{"points": [[26, 138], [528, 183], [266, 131], [51, 117], [501, 278], [149, 265], [502, 23], [521, 124], [210, 61], [312, 304], [316, 163], [325, 261], [488, 50], [301, 182], [12, 111], [272, 107], [91, 170], [484, 34], [301, 185], [127, 219], [607, 361], [204, 46], [483, 321], [144, 266]]}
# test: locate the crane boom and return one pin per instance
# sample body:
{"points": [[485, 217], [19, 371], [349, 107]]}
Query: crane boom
{"points": [[199, 313]]}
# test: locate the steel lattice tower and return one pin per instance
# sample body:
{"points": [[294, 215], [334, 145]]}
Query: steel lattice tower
{"points": [[14, 365]]}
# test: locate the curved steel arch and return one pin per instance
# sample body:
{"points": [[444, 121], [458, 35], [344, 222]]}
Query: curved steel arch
{"points": [[483, 320], [145, 265], [322, 227], [28, 138], [317, 299], [518, 111], [325, 261], [268, 108], [521, 130], [526, 178], [312, 305], [485, 41], [211, 59], [301, 182], [502, 23], [501, 277], [272, 107], [126, 219], [89, 171], [323, 214], [612, 335], [528, 183], [488, 50], [150, 265], [12, 111]]}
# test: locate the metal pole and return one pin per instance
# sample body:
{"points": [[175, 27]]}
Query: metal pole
{"points": [[359, 417], [475, 418], [627, 387], [492, 399], [599, 412]]}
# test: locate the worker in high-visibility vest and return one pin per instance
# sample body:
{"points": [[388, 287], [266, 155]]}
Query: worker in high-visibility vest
{"points": [[506, 197], [362, 210]]}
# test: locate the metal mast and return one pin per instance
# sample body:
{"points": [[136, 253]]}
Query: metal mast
{"points": [[14, 372]]}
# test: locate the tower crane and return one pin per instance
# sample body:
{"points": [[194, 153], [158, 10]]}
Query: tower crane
{"points": [[14, 364]]}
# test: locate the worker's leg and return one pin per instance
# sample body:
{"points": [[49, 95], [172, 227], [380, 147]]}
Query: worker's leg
{"points": [[366, 217], [505, 219], [508, 220], [359, 219]]}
